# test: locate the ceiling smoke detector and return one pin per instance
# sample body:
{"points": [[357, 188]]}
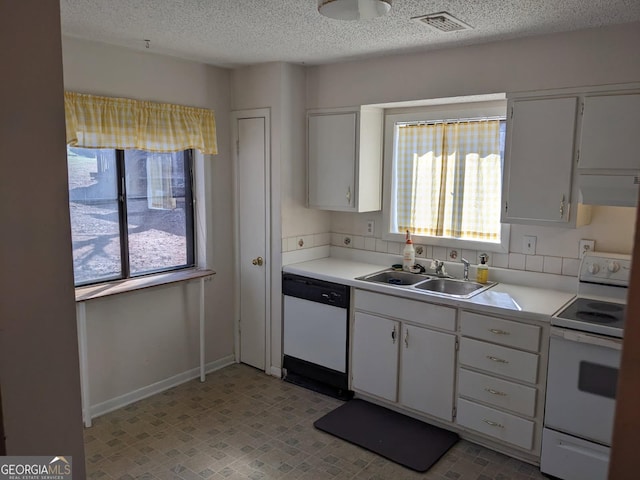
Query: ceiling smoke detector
{"points": [[353, 9], [443, 21]]}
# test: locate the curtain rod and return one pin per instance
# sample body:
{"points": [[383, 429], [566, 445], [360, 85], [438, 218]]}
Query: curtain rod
{"points": [[450, 120]]}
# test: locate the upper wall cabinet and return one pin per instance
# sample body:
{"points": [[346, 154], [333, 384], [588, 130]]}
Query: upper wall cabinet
{"points": [[565, 147], [610, 129], [344, 155], [539, 157]]}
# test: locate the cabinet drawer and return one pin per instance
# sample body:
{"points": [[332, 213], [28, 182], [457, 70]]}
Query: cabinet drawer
{"points": [[501, 393], [501, 360], [505, 332], [404, 309], [504, 426]]}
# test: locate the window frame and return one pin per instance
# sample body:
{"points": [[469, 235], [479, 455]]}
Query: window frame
{"points": [[125, 267], [429, 114]]}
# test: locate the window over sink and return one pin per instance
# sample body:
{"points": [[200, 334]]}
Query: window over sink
{"points": [[443, 172]]}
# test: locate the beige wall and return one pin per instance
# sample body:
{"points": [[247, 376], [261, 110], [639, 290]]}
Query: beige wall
{"points": [[141, 338], [281, 88], [589, 57], [38, 342]]}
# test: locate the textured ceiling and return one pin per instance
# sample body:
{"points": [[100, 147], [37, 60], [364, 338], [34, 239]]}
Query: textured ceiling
{"points": [[241, 32]]}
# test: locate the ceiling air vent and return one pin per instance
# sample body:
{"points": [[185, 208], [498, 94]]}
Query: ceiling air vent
{"points": [[443, 21]]}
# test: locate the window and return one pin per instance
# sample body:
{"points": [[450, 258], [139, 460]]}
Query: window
{"points": [[444, 175], [131, 212]]}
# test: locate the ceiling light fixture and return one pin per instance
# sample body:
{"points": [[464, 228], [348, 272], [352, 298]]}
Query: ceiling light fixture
{"points": [[353, 9]]}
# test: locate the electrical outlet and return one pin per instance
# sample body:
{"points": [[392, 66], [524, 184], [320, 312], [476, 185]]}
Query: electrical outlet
{"points": [[586, 246], [370, 228], [529, 245]]}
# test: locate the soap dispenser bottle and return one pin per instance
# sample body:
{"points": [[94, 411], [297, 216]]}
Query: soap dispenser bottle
{"points": [[482, 271], [409, 254]]}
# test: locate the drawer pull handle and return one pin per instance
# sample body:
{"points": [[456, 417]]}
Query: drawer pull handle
{"points": [[498, 332], [495, 392], [493, 424], [496, 359]]}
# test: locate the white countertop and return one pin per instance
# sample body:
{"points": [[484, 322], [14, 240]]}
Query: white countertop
{"points": [[517, 301]]}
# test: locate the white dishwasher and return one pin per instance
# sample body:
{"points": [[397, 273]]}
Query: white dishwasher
{"points": [[315, 330]]}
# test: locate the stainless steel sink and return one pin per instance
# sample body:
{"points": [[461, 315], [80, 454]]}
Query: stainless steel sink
{"points": [[454, 288], [393, 277]]}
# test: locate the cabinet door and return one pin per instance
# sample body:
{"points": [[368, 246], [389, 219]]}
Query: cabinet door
{"points": [[427, 371], [375, 355], [332, 149], [539, 160], [610, 126]]}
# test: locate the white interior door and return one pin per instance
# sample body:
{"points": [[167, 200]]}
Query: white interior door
{"points": [[252, 196]]}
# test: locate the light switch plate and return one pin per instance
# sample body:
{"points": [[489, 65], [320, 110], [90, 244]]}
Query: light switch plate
{"points": [[586, 246], [529, 245]]}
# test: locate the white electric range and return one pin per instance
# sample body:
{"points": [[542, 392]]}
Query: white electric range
{"points": [[584, 359]]}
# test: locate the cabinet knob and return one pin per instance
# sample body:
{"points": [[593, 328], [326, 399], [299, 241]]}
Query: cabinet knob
{"points": [[348, 194], [406, 338], [393, 334], [562, 207]]}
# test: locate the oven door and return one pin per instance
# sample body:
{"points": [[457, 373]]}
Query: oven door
{"points": [[581, 384]]}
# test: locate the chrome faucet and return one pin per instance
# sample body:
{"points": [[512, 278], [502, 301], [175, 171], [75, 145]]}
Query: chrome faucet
{"points": [[438, 265], [465, 262]]}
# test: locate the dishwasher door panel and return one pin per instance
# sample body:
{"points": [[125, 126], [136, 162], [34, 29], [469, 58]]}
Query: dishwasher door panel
{"points": [[316, 333]]}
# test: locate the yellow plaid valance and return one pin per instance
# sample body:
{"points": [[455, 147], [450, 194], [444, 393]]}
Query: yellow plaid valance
{"points": [[106, 122]]}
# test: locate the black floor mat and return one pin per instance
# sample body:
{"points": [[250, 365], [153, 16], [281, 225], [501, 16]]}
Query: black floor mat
{"points": [[401, 439]]}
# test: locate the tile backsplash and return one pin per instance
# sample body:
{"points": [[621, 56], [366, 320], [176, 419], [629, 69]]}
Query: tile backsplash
{"points": [[557, 250], [300, 242], [515, 261]]}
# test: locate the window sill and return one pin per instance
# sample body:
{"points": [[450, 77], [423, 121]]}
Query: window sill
{"points": [[101, 290], [502, 247]]}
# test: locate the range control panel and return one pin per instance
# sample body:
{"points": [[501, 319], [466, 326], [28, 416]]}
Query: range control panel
{"points": [[606, 269]]}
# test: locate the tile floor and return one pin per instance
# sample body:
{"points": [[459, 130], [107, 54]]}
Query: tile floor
{"points": [[243, 424]]}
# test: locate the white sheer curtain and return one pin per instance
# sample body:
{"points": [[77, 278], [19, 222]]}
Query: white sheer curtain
{"points": [[448, 179]]}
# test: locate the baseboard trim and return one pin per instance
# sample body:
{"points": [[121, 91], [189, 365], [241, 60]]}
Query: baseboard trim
{"points": [[144, 392], [275, 372]]}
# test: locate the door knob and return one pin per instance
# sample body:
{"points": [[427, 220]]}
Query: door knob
{"points": [[258, 261]]}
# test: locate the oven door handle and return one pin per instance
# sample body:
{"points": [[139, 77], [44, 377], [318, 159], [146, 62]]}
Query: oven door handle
{"points": [[583, 337]]}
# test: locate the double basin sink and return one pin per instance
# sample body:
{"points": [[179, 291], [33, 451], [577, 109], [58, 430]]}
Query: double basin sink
{"points": [[450, 287]]}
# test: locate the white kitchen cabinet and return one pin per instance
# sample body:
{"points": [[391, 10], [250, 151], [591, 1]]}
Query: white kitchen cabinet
{"points": [[375, 355], [498, 360], [609, 136], [501, 379], [344, 159], [427, 374], [424, 377], [539, 157], [495, 423]]}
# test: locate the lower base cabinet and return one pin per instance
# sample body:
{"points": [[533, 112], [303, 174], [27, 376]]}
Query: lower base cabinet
{"points": [[375, 355], [501, 376], [411, 365], [491, 369], [495, 423], [427, 371]]}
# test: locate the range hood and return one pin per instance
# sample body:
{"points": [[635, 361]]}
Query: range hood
{"points": [[616, 189]]}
